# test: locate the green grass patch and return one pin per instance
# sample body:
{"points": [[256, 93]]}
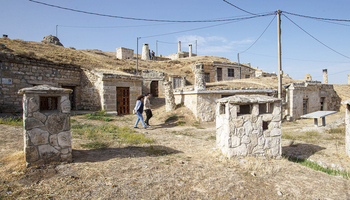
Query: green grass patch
{"points": [[180, 123], [317, 167], [100, 115], [157, 151], [213, 137], [171, 117], [98, 135], [338, 130], [12, 121], [197, 125]]}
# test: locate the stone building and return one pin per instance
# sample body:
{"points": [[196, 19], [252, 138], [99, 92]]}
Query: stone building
{"points": [[310, 96], [181, 54], [153, 82], [92, 89], [201, 101], [219, 71], [124, 53], [347, 126], [249, 125]]}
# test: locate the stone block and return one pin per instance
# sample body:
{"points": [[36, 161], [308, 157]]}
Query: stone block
{"points": [[40, 116], [261, 141], [33, 105], [30, 123], [267, 117], [47, 151], [271, 142], [248, 127], [31, 154], [53, 140], [238, 122], [67, 157], [235, 141], [65, 106], [56, 122], [245, 139], [38, 136], [275, 132], [240, 132], [240, 151], [64, 139]]}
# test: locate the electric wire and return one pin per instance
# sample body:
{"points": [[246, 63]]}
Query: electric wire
{"points": [[131, 26], [260, 35], [143, 19], [318, 18], [315, 37], [239, 8]]}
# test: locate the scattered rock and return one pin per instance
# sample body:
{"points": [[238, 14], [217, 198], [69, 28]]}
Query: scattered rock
{"points": [[279, 193], [50, 39], [322, 164]]}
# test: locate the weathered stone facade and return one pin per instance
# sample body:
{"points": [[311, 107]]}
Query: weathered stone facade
{"points": [[199, 78], [92, 90], [347, 126], [169, 96], [150, 76], [310, 96], [178, 81], [21, 72], [202, 102], [249, 125], [46, 121], [218, 71], [124, 53]]}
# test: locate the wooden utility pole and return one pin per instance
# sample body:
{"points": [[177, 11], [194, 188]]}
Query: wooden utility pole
{"points": [[280, 72], [137, 56]]}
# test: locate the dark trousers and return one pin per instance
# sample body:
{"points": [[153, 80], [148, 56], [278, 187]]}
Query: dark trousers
{"points": [[148, 115]]}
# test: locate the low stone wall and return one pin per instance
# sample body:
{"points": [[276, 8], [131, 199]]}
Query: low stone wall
{"points": [[124, 53], [47, 135]]}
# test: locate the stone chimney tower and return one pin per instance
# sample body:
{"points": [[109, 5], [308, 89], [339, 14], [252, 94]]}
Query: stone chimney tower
{"points": [[199, 77], [325, 76], [190, 50], [145, 52], [179, 47]]}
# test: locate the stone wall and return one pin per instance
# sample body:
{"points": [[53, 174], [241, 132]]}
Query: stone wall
{"points": [[202, 103], [91, 84], [145, 52], [124, 53], [251, 133], [47, 135], [347, 126], [18, 72]]}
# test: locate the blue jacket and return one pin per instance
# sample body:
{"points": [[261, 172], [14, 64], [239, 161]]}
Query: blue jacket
{"points": [[139, 106]]}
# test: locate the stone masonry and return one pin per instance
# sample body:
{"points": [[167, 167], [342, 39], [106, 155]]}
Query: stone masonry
{"points": [[249, 125], [169, 96], [46, 121], [124, 53], [347, 126], [145, 52], [199, 78]]}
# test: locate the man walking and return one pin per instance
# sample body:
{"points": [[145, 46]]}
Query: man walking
{"points": [[147, 109]]}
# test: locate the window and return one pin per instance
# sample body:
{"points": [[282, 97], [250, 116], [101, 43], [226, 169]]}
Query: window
{"points": [[247, 76], [207, 77], [265, 108], [244, 109], [48, 103], [222, 109], [231, 72]]}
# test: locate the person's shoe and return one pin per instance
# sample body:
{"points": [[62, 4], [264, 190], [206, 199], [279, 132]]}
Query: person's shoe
{"points": [[149, 125], [136, 127]]}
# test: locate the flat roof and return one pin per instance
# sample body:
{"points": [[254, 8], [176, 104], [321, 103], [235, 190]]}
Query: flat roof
{"points": [[318, 114]]}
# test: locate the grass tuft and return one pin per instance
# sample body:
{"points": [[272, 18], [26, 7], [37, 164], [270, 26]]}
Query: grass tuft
{"points": [[171, 117], [95, 145], [12, 121], [100, 115]]}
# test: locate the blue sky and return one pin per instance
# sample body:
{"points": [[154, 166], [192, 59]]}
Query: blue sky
{"points": [[301, 54]]}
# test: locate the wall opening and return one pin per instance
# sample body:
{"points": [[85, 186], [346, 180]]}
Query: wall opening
{"points": [[207, 77], [265, 108], [48, 103], [305, 101], [265, 125], [222, 109], [230, 72], [123, 100], [244, 109], [154, 88], [219, 74], [322, 102]]}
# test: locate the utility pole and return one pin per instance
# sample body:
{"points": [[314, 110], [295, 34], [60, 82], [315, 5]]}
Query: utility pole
{"points": [[156, 47], [137, 56], [196, 48], [57, 31], [280, 72], [239, 65]]}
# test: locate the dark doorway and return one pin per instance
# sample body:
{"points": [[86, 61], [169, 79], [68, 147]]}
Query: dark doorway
{"points": [[123, 100], [219, 72], [71, 96], [154, 88], [305, 106], [322, 101]]}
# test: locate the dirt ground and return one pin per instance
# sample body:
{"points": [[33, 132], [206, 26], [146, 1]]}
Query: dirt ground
{"points": [[183, 163]]}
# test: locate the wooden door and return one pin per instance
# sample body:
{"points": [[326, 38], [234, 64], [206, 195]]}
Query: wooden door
{"points": [[154, 88], [123, 100], [305, 101], [219, 72]]}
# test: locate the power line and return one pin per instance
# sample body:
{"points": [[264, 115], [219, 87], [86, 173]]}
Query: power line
{"points": [[143, 19], [239, 8], [315, 37], [260, 35], [115, 26], [318, 18]]}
